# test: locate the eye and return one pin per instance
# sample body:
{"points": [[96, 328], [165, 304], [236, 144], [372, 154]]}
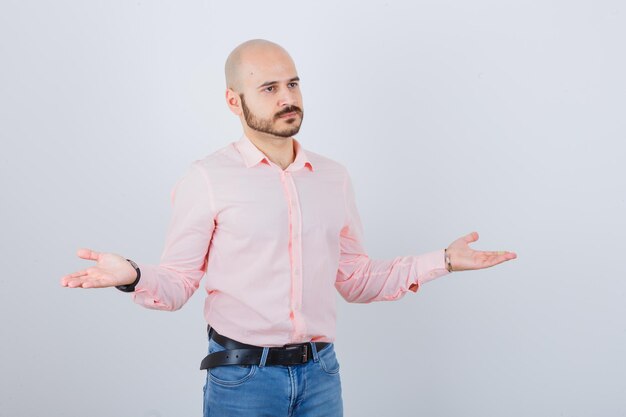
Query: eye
{"points": [[269, 89], [292, 85]]}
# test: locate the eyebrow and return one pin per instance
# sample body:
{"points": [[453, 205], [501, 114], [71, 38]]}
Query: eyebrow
{"points": [[268, 83]]}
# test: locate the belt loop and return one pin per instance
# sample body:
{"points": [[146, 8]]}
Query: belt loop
{"points": [[316, 357], [264, 356]]}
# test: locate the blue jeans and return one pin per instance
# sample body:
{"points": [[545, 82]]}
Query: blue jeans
{"points": [[312, 389]]}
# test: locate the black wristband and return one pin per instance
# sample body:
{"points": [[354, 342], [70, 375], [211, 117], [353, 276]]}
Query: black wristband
{"points": [[130, 287]]}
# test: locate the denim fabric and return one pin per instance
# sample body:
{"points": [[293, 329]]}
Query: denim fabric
{"points": [[308, 390]]}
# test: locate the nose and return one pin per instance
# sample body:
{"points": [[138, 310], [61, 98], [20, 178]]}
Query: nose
{"points": [[287, 98]]}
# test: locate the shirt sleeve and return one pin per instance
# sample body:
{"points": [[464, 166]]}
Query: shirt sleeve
{"points": [[168, 285], [363, 280]]}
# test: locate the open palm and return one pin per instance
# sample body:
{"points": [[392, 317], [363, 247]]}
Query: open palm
{"points": [[110, 270], [462, 257]]}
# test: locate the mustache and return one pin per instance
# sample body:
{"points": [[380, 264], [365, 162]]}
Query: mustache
{"points": [[290, 109]]}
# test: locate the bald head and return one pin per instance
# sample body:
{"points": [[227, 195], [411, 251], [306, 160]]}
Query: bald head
{"points": [[244, 60]]}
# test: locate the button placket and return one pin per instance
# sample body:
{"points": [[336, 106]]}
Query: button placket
{"points": [[295, 228]]}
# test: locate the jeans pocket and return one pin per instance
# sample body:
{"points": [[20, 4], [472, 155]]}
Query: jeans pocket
{"points": [[328, 359], [229, 375]]}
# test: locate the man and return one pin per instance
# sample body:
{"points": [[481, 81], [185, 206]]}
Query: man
{"points": [[276, 230]]}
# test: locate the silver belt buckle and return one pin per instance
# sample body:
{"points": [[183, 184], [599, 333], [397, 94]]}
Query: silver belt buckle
{"points": [[304, 347]]}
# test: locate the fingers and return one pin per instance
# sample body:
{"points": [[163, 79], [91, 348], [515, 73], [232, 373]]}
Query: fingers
{"points": [[79, 278], [74, 282], [88, 254], [66, 279], [506, 255], [495, 258], [81, 281], [91, 284], [87, 278], [500, 252]]}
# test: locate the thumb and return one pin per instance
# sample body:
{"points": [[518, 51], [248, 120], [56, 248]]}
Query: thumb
{"points": [[89, 254], [472, 237]]}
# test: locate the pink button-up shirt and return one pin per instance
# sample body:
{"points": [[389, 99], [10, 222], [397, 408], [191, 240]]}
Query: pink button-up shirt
{"points": [[274, 245]]}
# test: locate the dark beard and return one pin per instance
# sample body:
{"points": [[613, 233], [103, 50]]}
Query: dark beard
{"points": [[267, 126]]}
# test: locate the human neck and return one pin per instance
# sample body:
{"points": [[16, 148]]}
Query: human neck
{"points": [[279, 150]]}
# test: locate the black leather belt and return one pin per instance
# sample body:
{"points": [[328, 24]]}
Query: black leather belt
{"points": [[238, 353]]}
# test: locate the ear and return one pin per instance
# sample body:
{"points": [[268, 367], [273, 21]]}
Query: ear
{"points": [[233, 101]]}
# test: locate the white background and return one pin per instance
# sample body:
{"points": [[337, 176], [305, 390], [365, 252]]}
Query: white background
{"points": [[507, 118]]}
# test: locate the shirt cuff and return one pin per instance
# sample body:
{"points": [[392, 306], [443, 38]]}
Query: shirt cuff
{"points": [[428, 267], [147, 285]]}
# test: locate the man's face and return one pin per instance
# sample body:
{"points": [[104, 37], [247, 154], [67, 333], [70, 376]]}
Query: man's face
{"points": [[271, 101]]}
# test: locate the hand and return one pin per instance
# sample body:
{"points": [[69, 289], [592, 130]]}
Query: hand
{"points": [[462, 257], [110, 270]]}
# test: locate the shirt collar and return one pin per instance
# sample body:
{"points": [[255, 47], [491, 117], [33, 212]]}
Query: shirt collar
{"points": [[253, 155]]}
